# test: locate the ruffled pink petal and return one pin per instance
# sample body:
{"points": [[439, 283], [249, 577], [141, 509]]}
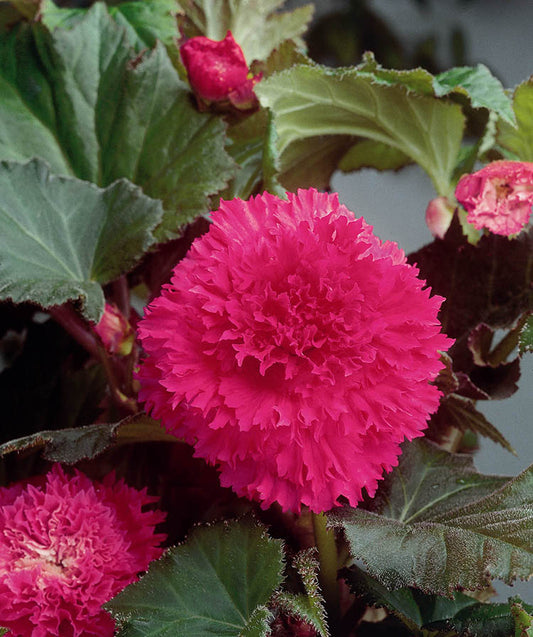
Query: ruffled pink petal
{"points": [[498, 197], [294, 349], [67, 546]]}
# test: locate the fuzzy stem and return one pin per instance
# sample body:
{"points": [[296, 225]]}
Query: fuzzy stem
{"points": [[79, 329], [121, 401], [121, 295], [327, 555]]}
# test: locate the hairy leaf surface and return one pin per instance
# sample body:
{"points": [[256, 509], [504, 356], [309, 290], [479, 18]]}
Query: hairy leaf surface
{"points": [[210, 585], [63, 238], [81, 99], [438, 525]]}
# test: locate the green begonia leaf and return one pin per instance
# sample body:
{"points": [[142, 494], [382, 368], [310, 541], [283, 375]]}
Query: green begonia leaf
{"points": [[247, 145], [370, 154], [76, 98], [259, 623], [309, 101], [413, 608], [526, 336], [517, 141], [437, 525], [63, 238], [480, 86], [416, 80], [85, 443], [489, 620], [212, 584], [477, 83], [523, 618], [145, 22], [246, 19]]}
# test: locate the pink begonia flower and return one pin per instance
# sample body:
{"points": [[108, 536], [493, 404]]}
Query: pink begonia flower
{"points": [[294, 349], [498, 197], [116, 333], [218, 71], [67, 546], [439, 215]]}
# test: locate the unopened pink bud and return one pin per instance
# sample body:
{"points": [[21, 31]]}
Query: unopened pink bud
{"points": [[439, 214], [218, 71], [115, 332]]}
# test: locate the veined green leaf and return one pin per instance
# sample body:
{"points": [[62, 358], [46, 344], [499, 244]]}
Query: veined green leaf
{"points": [[76, 98], [145, 22], [518, 141], [480, 86], [212, 584], [413, 608], [490, 620], [369, 154], [309, 101], [62, 238], [72, 445], [246, 19], [437, 525]]}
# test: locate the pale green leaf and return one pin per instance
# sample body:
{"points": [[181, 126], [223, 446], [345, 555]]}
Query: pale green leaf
{"points": [[62, 238], [210, 585], [371, 154], [145, 22], [480, 86], [246, 19], [309, 101], [437, 525], [416, 80], [518, 141]]}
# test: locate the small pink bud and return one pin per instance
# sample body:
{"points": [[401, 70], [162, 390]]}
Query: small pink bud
{"points": [[218, 71], [498, 197], [115, 332], [439, 214]]}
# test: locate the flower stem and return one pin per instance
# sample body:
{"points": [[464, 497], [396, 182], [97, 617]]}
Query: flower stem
{"points": [[327, 555], [80, 330], [77, 327]]}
